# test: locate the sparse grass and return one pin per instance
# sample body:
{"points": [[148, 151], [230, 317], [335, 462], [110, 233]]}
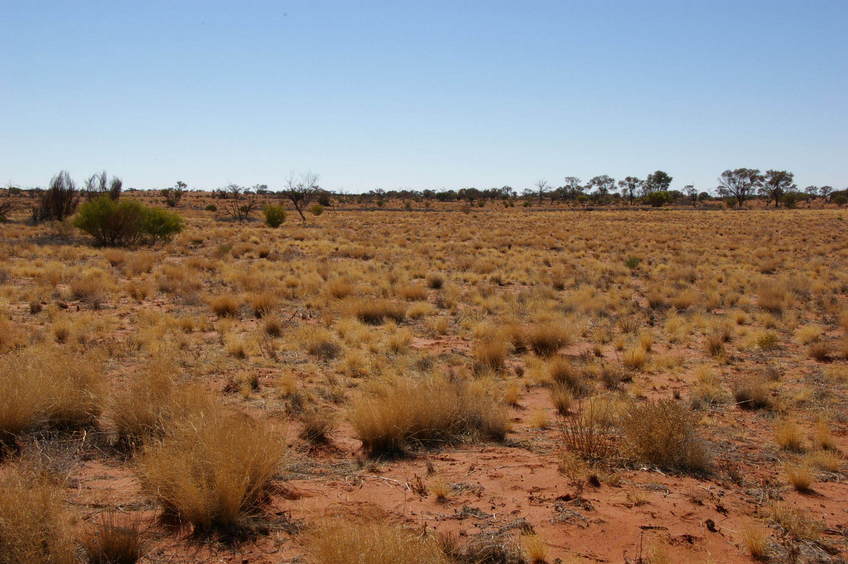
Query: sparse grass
{"points": [[796, 522], [212, 470], [432, 411]]}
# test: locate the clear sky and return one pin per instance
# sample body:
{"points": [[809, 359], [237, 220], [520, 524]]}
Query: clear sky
{"points": [[423, 94]]}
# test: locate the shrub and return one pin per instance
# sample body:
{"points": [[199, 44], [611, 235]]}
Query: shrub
{"points": [[126, 222], [47, 386], [5, 210], [428, 412], [664, 433], [33, 524], [57, 202], [789, 436], [212, 470], [635, 358], [563, 373], [316, 209], [275, 215], [346, 541]]}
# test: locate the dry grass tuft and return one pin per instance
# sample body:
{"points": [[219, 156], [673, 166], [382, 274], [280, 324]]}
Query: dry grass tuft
{"points": [[114, 541], [546, 339], [755, 539], [224, 306], [343, 541], [789, 436], [800, 476], [490, 354], [212, 470], [752, 392], [34, 528], [46, 385], [664, 433], [375, 312], [429, 412]]}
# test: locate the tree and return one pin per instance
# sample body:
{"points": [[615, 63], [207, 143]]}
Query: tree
{"points": [[655, 182], [174, 195], [825, 192], [59, 201], [691, 193], [301, 192], [98, 184], [776, 183], [240, 204], [603, 183], [811, 192], [629, 186], [740, 184], [542, 188]]}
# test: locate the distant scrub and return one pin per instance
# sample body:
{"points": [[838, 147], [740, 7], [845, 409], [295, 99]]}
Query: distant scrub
{"points": [[126, 222]]}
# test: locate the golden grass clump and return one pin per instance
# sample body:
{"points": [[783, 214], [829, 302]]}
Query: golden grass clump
{"points": [[490, 354], [755, 539], [224, 306], [375, 312], [114, 541], [430, 411], [45, 385], [34, 527], [752, 392], [212, 470], [147, 405], [635, 358], [800, 476], [796, 522], [564, 373], [789, 436], [346, 541], [547, 338], [412, 292], [591, 432], [664, 433]]}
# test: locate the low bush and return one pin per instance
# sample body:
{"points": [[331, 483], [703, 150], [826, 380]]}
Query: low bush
{"points": [[427, 412], [213, 469], [57, 202], [664, 433], [126, 222], [275, 215]]}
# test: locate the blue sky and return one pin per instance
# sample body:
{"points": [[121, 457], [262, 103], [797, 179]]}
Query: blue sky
{"points": [[422, 94]]}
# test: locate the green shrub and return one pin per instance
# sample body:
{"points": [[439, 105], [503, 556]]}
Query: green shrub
{"points": [[126, 222], [211, 208], [659, 198], [316, 209], [275, 215]]}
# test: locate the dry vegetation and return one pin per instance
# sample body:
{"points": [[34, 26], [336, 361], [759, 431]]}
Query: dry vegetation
{"points": [[501, 385]]}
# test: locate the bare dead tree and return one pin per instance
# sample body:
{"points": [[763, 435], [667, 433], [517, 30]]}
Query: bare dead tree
{"points": [[240, 203], [59, 201], [302, 191], [98, 185]]}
